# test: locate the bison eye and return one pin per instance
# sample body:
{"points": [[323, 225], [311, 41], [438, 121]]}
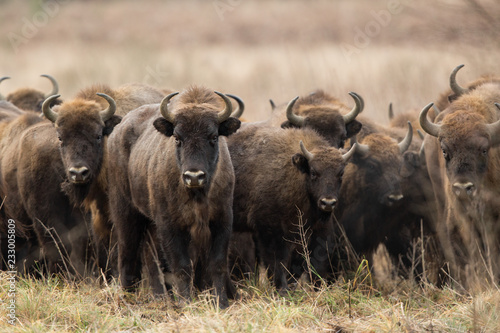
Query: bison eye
{"points": [[214, 139], [314, 174], [59, 138], [177, 140], [485, 152], [446, 155], [99, 138]]}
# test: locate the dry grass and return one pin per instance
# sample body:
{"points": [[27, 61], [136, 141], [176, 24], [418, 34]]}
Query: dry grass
{"points": [[259, 50], [53, 304]]}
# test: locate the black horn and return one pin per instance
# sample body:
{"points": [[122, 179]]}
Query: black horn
{"points": [[228, 109], [241, 106], [355, 110]]}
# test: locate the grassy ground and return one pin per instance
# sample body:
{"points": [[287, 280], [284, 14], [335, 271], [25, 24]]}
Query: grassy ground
{"points": [[354, 306], [258, 50]]}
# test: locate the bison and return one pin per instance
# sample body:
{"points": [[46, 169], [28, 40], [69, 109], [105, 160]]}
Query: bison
{"points": [[51, 168], [171, 167], [29, 99], [281, 183], [462, 153], [371, 189]]}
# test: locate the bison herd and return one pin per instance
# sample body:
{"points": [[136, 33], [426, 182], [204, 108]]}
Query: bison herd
{"points": [[139, 183]]}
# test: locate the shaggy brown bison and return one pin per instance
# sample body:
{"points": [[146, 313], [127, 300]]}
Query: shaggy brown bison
{"points": [[463, 155], [51, 168], [171, 166], [371, 188], [30, 99], [283, 177]]}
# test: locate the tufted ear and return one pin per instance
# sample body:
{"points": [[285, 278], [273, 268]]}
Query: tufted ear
{"points": [[110, 124], [353, 128], [229, 126], [301, 163], [164, 126]]}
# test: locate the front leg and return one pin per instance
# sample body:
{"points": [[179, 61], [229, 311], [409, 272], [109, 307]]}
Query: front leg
{"points": [[177, 248], [217, 261]]}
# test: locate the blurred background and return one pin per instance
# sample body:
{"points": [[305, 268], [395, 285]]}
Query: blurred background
{"points": [[399, 51]]}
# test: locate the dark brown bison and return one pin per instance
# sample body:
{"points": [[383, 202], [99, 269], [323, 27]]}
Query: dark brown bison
{"points": [[30, 99], [371, 189], [327, 115], [462, 155], [47, 172], [281, 183], [52, 168], [171, 166]]}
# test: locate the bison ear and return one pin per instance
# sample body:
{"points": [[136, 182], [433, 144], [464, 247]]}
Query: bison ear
{"points": [[164, 126], [229, 126], [301, 163], [287, 124], [353, 128], [110, 124], [411, 162]]}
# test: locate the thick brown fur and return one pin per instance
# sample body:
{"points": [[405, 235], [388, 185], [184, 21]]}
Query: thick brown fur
{"points": [[323, 113], [464, 152], [369, 182], [151, 156], [272, 190]]}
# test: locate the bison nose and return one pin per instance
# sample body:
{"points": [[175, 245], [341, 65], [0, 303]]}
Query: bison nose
{"points": [[461, 189], [393, 198], [194, 178], [79, 175], [327, 204]]}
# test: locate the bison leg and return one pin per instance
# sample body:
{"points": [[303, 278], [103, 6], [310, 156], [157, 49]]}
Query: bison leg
{"points": [[274, 254], [179, 261], [217, 263], [130, 229]]}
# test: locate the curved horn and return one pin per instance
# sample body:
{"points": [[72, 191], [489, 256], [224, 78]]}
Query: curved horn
{"points": [[46, 109], [405, 144], [453, 82], [355, 110], [432, 129], [306, 153], [164, 107], [420, 134], [391, 112], [55, 86], [347, 156], [293, 118], [494, 129], [110, 110], [273, 106], [1, 79], [226, 113], [362, 149], [241, 106]]}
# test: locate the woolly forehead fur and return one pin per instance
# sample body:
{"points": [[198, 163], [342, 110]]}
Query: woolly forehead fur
{"points": [[196, 96], [319, 102], [382, 146], [73, 112]]}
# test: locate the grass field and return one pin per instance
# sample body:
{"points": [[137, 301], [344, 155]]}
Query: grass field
{"points": [[385, 50]]}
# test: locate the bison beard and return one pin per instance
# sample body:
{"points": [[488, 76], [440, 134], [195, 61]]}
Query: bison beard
{"points": [[75, 193]]}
